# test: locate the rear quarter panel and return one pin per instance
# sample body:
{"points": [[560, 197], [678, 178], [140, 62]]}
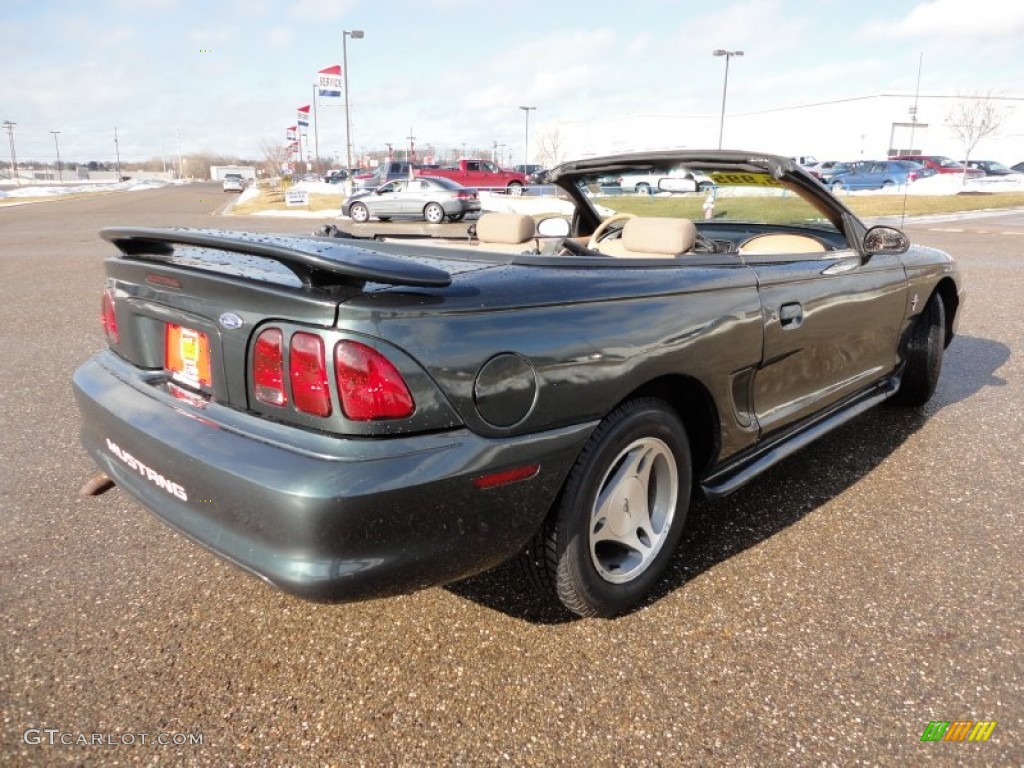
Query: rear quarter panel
{"points": [[592, 336]]}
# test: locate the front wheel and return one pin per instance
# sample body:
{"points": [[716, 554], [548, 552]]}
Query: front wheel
{"points": [[925, 349], [515, 188], [621, 512], [433, 213], [359, 213], [837, 187]]}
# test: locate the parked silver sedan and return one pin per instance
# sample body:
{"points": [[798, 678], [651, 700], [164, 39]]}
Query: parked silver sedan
{"points": [[424, 197]]}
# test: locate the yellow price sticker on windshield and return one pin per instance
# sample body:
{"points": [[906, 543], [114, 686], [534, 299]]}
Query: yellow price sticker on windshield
{"points": [[744, 179]]}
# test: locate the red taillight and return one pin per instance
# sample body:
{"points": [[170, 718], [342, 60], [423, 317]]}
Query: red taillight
{"points": [[369, 385], [308, 373], [108, 317], [268, 368]]}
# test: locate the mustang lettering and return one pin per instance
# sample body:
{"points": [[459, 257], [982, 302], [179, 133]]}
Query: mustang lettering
{"points": [[150, 474]]}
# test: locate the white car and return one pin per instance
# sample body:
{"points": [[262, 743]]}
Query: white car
{"points": [[233, 182], [682, 180]]}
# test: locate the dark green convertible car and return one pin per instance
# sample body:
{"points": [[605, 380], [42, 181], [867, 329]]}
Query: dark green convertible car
{"points": [[352, 417]]}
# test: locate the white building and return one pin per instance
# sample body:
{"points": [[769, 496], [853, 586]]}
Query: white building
{"points": [[865, 127], [217, 172]]}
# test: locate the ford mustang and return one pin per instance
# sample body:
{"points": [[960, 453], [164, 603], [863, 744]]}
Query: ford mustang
{"points": [[356, 417]]}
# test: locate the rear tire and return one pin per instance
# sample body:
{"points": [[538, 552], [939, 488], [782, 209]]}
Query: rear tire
{"points": [[643, 188], [619, 517], [456, 217], [433, 213], [360, 213], [925, 349]]}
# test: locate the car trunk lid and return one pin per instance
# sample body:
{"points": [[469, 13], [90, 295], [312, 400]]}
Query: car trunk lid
{"points": [[188, 302]]}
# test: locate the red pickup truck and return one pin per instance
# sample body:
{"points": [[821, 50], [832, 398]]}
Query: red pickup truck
{"points": [[481, 174]]}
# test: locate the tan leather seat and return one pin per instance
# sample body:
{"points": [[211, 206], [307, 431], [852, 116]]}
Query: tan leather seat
{"points": [[505, 229], [768, 244], [652, 237]]}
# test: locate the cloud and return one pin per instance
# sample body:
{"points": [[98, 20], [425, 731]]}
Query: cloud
{"points": [[320, 10], [953, 20]]}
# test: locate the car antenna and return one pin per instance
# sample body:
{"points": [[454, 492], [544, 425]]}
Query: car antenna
{"points": [[913, 126]]}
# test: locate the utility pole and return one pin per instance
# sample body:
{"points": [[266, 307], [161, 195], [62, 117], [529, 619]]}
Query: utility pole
{"points": [[117, 150], [412, 146], [14, 157], [181, 163], [60, 172], [316, 128]]}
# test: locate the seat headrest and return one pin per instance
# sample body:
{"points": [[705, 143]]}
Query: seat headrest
{"points": [[505, 228], [649, 234]]}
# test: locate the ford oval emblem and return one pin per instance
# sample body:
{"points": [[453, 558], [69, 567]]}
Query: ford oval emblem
{"points": [[230, 321]]}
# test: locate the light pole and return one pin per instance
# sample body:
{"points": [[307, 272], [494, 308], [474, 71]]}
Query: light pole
{"points": [[725, 87], [526, 137], [355, 34], [60, 173], [14, 158]]}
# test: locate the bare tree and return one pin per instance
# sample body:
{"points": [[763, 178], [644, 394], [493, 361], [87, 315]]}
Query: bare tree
{"points": [[550, 147], [972, 119], [275, 157]]}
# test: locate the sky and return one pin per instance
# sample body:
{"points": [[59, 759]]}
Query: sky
{"points": [[226, 76]]}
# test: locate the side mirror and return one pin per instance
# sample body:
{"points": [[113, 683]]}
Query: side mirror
{"points": [[553, 227], [885, 240]]}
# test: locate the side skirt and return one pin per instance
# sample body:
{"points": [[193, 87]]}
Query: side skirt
{"points": [[741, 470]]}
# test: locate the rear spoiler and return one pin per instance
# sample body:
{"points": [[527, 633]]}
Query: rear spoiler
{"points": [[317, 263]]}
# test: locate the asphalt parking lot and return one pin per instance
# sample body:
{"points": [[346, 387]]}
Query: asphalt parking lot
{"points": [[823, 615]]}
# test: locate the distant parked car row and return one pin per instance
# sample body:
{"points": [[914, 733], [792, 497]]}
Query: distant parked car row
{"points": [[876, 174], [942, 164], [901, 170], [992, 168]]}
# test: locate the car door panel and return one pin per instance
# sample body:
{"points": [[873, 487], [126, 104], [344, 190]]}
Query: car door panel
{"points": [[831, 328]]}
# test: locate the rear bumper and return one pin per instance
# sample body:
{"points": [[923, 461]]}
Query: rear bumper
{"points": [[319, 516]]}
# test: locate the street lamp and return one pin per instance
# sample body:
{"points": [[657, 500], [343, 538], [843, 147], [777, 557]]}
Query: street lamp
{"points": [[56, 143], [355, 34], [526, 142], [725, 86]]}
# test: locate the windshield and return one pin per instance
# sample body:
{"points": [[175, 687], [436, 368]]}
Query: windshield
{"points": [[690, 193]]}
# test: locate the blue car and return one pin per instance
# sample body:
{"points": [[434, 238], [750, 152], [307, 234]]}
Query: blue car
{"points": [[879, 174]]}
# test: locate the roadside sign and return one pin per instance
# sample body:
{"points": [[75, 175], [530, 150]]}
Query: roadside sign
{"points": [[296, 197]]}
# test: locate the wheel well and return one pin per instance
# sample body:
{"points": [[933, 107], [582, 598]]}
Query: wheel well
{"points": [[947, 291], [695, 406]]}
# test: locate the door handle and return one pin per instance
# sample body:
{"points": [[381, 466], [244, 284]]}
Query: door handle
{"points": [[791, 316]]}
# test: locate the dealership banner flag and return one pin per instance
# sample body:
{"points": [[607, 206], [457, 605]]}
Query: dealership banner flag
{"points": [[304, 115], [292, 133], [329, 82]]}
